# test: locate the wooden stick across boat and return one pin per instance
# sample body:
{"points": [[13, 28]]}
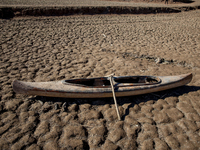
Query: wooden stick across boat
{"points": [[114, 97]]}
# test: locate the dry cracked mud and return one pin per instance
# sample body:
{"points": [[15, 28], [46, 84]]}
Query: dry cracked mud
{"points": [[56, 48]]}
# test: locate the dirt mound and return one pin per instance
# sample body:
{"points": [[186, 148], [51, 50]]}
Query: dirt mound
{"points": [[158, 1], [10, 12]]}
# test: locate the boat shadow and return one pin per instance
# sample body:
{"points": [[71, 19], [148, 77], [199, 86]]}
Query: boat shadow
{"points": [[130, 101], [176, 92]]}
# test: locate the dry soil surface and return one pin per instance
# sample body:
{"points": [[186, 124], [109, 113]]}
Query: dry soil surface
{"points": [[55, 48], [106, 3]]}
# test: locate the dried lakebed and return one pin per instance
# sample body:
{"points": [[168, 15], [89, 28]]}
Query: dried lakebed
{"points": [[54, 48]]}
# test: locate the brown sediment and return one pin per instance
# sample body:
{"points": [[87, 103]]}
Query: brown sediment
{"points": [[10, 12], [56, 48], [88, 7]]}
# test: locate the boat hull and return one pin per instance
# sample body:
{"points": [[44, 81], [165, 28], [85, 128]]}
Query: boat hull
{"points": [[58, 89]]}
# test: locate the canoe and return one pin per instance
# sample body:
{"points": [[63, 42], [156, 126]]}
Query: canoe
{"points": [[100, 87]]}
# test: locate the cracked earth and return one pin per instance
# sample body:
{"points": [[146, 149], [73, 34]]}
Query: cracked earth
{"points": [[56, 48]]}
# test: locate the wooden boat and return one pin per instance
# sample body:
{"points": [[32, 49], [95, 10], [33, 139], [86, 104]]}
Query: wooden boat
{"points": [[100, 87]]}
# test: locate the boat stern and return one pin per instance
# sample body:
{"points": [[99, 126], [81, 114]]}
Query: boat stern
{"points": [[176, 81], [187, 78]]}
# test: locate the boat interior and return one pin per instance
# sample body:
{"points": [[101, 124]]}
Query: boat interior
{"points": [[105, 82]]}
